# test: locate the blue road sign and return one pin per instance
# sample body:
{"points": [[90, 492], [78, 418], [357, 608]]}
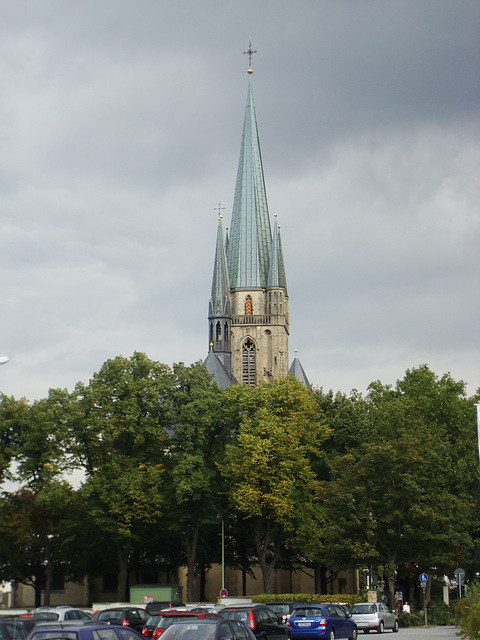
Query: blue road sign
{"points": [[423, 577]]}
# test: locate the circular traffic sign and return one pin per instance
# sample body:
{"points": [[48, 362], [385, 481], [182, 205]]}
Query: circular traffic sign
{"points": [[223, 593], [423, 577]]}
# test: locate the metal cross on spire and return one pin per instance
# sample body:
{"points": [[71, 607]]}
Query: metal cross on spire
{"points": [[250, 52], [219, 208]]}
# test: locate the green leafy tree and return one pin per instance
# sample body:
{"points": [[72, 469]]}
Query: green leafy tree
{"points": [[118, 434], [197, 448], [344, 416], [469, 610], [32, 527], [34, 550], [41, 440], [268, 466], [11, 417], [397, 497]]}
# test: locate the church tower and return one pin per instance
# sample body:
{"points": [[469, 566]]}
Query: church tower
{"points": [[248, 308]]}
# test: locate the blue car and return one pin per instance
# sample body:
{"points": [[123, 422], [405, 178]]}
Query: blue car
{"points": [[327, 620]]}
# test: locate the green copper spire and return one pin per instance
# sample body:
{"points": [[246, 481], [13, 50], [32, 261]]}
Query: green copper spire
{"points": [[276, 273], [219, 305], [250, 240]]}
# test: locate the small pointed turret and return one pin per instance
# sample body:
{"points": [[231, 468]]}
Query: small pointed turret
{"points": [[219, 308], [219, 305], [276, 272]]}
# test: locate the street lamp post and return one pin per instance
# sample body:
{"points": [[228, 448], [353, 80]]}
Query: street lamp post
{"points": [[220, 517]]}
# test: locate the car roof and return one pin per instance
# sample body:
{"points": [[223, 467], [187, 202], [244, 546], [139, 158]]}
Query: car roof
{"points": [[126, 608], [252, 605], [71, 625], [173, 614], [202, 621]]}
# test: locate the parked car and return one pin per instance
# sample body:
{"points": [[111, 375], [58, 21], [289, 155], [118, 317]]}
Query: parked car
{"points": [[375, 616], [87, 631], [170, 617], [26, 622], [263, 622], [329, 620], [134, 617], [50, 614], [155, 607], [12, 629], [150, 624], [204, 629], [284, 609]]}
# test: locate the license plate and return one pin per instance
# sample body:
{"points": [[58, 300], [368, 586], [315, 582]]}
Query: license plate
{"points": [[304, 624]]}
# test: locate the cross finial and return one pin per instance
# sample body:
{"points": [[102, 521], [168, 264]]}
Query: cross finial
{"points": [[219, 208], [250, 53]]}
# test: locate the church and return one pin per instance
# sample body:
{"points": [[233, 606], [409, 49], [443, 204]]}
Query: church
{"points": [[248, 315]]}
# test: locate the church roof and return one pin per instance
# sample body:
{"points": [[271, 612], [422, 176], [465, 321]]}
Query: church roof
{"points": [[250, 240], [297, 370], [220, 374]]}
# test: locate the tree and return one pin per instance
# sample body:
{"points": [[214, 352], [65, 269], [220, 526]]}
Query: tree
{"points": [[32, 526], [197, 447], [32, 517], [118, 432], [397, 497], [11, 416], [268, 466]]}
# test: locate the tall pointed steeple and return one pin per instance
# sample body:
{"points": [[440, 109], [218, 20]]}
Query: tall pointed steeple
{"points": [[250, 235], [248, 310]]}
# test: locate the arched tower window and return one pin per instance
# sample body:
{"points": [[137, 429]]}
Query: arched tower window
{"points": [[225, 332], [219, 331], [211, 333], [249, 357], [248, 306]]}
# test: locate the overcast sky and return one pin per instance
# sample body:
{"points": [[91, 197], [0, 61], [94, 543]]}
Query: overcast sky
{"points": [[120, 127]]}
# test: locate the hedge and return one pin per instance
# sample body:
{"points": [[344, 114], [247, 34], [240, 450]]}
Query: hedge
{"points": [[308, 598]]}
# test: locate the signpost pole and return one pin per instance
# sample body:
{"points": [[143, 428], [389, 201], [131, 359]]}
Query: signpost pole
{"points": [[423, 583]]}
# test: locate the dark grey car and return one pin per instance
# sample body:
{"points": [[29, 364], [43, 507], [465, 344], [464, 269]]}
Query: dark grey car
{"points": [[264, 622]]}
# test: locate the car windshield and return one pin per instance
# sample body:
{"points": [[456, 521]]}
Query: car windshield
{"points": [[10, 630], [43, 615], [310, 613], [191, 631], [363, 608], [111, 615], [280, 608], [166, 621], [152, 621], [235, 614]]}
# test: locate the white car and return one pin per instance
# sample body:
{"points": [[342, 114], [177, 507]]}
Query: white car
{"points": [[374, 616], [53, 614]]}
